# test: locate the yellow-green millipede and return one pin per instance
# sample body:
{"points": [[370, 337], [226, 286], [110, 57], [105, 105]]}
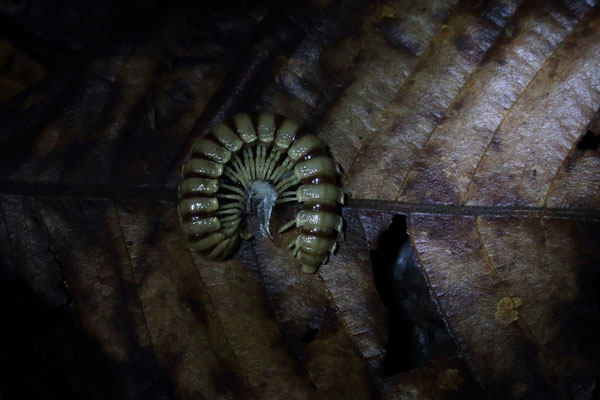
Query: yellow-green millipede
{"points": [[268, 159]]}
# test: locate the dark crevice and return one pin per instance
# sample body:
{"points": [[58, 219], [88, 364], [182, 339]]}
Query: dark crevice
{"points": [[596, 393], [597, 289], [63, 281], [589, 141], [310, 335], [46, 355], [35, 46], [416, 331]]}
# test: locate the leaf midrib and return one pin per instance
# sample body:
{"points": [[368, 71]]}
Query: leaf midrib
{"points": [[169, 194]]}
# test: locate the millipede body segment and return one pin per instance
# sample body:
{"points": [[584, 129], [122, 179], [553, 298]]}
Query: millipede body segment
{"points": [[260, 159]]}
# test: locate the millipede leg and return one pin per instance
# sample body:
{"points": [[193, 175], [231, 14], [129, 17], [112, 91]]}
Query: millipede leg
{"points": [[218, 252], [282, 169], [233, 242], [239, 176], [263, 163], [286, 200], [227, 211], [291, 182], [235, 176], [230, 218], [294, 244], [232, 205], [286, 197], [333, 248], [273, 158], [235, 197], [291, 193], [229, 173], [287, 226], [260, 162], [252, 163], [233, 189], [249, 162], [286, 184], [228, 224], [242, 170]]}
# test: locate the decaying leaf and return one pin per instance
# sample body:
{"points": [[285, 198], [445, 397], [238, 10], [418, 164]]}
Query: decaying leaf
{"points": [[472, 125]]}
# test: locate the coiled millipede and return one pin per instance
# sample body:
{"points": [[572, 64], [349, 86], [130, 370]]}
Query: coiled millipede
{"points": [[267, 159]]}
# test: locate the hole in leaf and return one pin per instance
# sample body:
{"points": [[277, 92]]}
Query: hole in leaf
{"points": [[129, 243], [589, 141], [310, 335], [415, 329]]}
